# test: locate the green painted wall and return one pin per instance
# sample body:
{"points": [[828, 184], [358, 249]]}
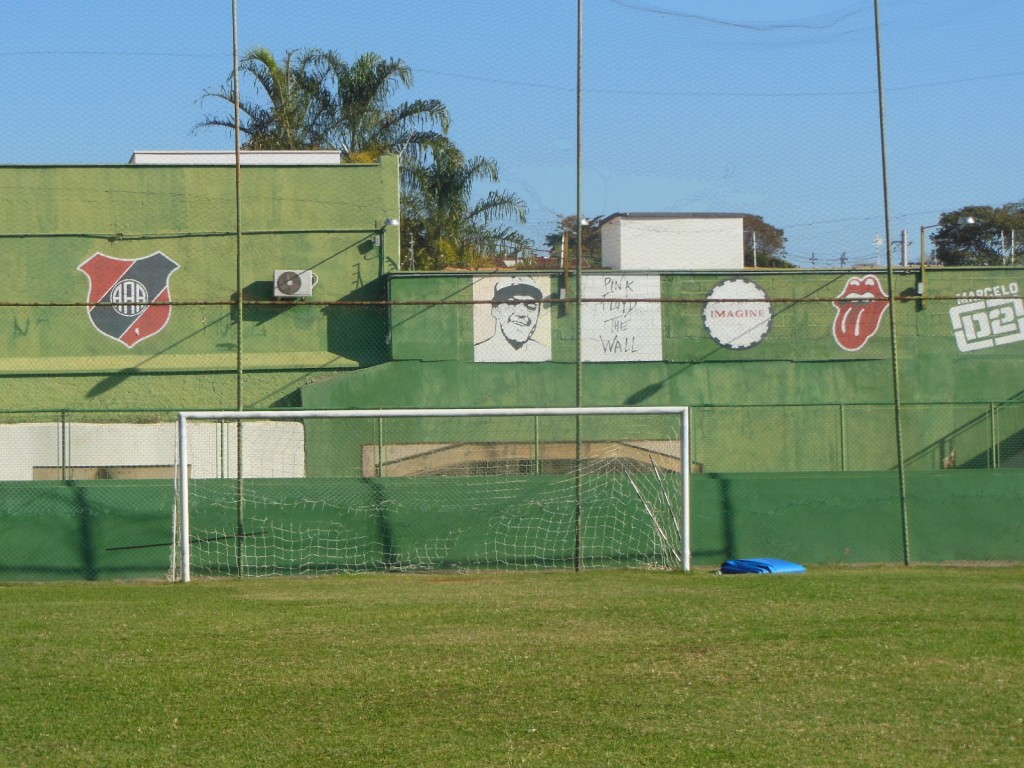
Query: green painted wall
{"points": [[752, 432], [326, 218], [798, 361], [795, 401], [109, 530], [90, 530], [797, 407]]}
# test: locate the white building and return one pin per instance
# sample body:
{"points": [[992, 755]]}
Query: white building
{"points": [[671, 242]]}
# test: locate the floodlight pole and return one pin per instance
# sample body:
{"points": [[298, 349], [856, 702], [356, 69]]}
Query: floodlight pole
{"points": [[684, 488]]}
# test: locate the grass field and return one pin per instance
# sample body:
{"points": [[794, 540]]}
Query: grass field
{"points": [[873, 666]]}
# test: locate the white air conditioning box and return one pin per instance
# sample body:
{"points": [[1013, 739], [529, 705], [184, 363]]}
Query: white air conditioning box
{"points": [[293, 283]]}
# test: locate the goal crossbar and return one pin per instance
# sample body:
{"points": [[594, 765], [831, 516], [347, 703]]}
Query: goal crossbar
{"points": [[184, 417]]}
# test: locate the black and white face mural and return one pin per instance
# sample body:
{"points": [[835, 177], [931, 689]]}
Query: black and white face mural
{"points": [[511, 323]]}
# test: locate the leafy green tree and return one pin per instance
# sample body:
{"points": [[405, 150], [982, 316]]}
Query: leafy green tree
{"points": [[564, 236], [442, 224], [980, 235], [763, 244]]}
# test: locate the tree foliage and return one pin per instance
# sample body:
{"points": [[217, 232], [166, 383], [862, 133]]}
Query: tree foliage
{"points": [[365, 121], [443, 226], [564, 237], [293, 107], [763, 244], [980, 235], [314, 99]]}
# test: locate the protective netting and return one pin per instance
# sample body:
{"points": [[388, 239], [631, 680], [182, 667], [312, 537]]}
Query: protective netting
{"points": [[518, 500], [630, 519]]}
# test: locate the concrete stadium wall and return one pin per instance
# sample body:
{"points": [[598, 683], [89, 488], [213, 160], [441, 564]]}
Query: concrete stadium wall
{"points": [[649, 339], [83, 450]]}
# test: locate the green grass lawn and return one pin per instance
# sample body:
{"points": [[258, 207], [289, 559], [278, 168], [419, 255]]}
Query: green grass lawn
{"points": [[919, 666]]}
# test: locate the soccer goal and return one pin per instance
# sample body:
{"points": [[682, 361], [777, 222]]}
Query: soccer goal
{"points": [[312, 492]]}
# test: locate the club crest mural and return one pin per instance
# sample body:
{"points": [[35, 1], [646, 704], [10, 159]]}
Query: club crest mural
{"points": [[128, 298]]}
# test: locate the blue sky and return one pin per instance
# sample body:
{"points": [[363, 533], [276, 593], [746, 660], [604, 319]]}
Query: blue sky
{"points": [[762, 107]]}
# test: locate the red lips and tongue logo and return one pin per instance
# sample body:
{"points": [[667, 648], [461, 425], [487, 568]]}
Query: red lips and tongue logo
{"points": [[859, 311]]}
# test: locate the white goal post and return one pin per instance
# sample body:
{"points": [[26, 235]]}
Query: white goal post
{"points": [[320, 491]]}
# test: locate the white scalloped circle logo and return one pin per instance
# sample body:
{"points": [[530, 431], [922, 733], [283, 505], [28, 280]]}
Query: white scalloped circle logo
{"points": [[738, 314]]}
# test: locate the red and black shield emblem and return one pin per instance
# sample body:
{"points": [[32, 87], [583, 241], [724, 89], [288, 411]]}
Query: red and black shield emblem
{"points": [[129, 299]]}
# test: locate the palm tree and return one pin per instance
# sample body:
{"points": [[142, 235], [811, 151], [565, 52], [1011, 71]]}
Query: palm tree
{"points": [[365, 123], [313, 99], [444, 227], [296, 111]]}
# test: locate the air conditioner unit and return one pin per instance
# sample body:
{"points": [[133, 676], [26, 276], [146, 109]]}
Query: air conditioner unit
{"points": [[293, 283]]}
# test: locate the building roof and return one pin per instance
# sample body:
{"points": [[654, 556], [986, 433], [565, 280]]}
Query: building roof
{"points": [[217, 157], [670, 215]]}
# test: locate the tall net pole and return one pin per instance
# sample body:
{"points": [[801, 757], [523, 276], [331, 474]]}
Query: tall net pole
{"points": [[893, 347], [239, 365], [578, 549]]}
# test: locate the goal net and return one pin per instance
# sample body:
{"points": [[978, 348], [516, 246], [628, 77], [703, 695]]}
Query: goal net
{"points": [[312, 492]]}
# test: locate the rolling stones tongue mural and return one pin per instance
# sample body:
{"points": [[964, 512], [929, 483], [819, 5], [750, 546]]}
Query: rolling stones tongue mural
{"points": [[128, 298], [859, 311]]}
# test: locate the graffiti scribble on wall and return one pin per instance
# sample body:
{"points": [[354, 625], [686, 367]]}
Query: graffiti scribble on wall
{"points": [[621, 318]]}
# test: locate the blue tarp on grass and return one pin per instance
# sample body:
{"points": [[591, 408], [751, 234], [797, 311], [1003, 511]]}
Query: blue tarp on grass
{"points": [[761, 565]]}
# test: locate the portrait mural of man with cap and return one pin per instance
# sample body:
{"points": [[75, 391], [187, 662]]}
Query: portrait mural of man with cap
{"points": [[513, 325]]}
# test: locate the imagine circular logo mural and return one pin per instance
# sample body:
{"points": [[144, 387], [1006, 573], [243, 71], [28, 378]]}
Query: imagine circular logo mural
{"points": [[738, 314]]}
